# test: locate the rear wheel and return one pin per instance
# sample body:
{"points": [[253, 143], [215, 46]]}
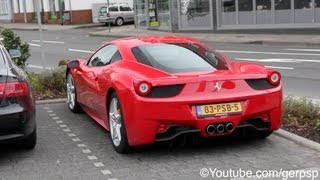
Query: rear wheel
{"points": [[71, 95], [118, 133], [119, 21]]}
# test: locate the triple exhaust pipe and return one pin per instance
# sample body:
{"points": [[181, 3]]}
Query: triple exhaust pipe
{"points": [[220, 128]]}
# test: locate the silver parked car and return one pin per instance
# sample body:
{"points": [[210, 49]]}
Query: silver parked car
{"points": [[117, 14]]}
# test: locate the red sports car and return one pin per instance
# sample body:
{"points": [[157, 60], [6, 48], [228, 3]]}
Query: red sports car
{"points": [[147, 89]]}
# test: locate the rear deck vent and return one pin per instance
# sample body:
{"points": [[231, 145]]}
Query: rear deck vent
{"points": [[259, 84]]}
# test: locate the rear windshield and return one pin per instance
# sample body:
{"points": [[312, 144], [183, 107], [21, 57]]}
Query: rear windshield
{"points": [[179, 58]]}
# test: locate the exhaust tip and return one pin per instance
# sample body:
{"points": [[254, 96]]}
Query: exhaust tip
{"points": [[220, 128], [229, 127], [211, 129]]}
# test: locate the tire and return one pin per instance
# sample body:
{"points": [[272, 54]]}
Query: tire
{"points": [[118, 135], [119, 21], [30, 141], [72, 95], [263, 134]]}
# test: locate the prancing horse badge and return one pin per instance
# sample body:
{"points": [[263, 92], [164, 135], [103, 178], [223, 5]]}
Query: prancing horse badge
{"points": [[217, 86]]}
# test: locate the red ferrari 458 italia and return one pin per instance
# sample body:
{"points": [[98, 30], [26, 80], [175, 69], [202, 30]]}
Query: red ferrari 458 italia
{"points": [[155, 88]]}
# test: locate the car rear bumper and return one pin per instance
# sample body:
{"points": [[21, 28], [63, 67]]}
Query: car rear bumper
{"points": [[16, 122], [154, 120]]}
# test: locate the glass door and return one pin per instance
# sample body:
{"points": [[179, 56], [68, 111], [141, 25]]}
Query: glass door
{"points": [[141, 13], [263, 12], [163, 13], [303, 11], [282, 11], [195, 15], [53, 11]]}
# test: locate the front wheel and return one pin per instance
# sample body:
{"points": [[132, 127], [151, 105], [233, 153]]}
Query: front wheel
{"points": [[71, 95], [118, 133], [119, 21]]}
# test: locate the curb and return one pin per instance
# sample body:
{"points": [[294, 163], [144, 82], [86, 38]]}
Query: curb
{"points": [[298, 139], [51, 101]]}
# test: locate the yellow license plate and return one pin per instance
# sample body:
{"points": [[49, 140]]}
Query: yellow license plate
{"points": [[219, 109]]}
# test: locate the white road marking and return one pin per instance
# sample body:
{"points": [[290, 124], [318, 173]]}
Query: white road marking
{"points": [[285, 60], [106, 172], [92, 157], [279, 67], [52, 42], [72, 135], [81, 145], [112, 179], [98, 164], [271, 53], [36, 45], [86, 151], [76, 140], [38, 67], [308, 50], [55, 118], [67, 130], [79, 50]]}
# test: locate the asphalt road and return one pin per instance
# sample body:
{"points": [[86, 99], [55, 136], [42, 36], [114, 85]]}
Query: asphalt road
{"points": [[300, 67], [73, 146]]}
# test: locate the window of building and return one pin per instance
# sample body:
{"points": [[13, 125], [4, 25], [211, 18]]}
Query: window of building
{"points": [[282, 4], [302, 4], [4, 7], [263, 5], [228, 5], [317, 3], [245, 5]]}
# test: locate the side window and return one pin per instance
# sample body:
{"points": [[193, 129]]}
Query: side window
{"points": [[103, 56], [116, 57], [113, 9], [103, 10], [125, 8]]}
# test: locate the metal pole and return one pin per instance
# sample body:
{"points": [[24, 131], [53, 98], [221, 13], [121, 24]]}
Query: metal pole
{"points": [[41, 35], [109, 15], [25, 11], [70, 11]]}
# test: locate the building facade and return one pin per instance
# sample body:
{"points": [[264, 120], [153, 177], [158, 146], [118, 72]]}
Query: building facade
{"points": [[54, 11], [215, 15]]}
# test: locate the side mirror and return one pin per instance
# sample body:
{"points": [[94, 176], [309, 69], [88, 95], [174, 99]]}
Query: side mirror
{"points": [[15, 53], [73, 64]]}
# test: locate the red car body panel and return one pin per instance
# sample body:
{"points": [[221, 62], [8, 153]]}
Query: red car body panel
{"points": [[144, 115]]}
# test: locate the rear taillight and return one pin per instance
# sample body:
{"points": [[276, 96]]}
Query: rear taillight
{"points": [[274, 78], [13, 89], [142, 88]]}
